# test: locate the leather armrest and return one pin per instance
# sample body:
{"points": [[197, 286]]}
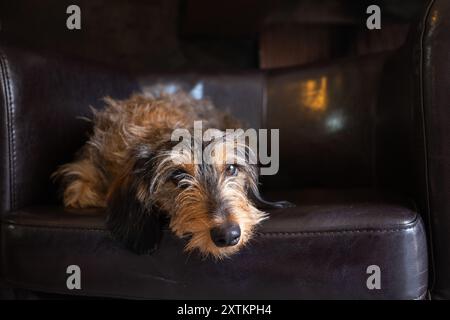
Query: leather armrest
{"points": [[433, 67], [42, 98]]}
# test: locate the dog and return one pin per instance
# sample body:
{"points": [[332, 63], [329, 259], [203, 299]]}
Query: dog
{"points": [[129, 166]]}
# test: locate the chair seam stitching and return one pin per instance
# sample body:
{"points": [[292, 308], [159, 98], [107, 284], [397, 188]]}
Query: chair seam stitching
{"points": [[287, 233], [11, 132]]}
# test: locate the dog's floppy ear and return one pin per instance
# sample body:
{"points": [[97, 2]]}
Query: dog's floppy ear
{"points": [[132, 221]]}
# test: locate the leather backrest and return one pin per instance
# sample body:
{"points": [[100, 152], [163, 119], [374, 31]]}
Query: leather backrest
{"points": [[326, 116], [239, 93]]}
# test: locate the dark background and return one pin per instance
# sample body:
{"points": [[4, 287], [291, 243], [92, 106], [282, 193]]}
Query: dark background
{"points": [[141, 36]]}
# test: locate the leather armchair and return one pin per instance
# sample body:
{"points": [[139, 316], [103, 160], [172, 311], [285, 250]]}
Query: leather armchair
{"points": [[364, 146]]}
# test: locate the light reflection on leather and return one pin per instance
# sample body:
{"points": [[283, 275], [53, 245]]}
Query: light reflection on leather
{"points": [[314, 94]]}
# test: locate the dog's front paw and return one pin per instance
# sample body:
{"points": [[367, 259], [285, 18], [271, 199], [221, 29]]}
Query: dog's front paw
{"points": [[265, 204], [283, 204]]}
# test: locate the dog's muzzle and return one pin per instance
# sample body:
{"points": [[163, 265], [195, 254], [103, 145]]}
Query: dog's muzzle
{"points": [[226, 236]]}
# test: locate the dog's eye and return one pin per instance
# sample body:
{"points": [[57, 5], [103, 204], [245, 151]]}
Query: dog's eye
{"points": [[177, 176], [231, 170]]}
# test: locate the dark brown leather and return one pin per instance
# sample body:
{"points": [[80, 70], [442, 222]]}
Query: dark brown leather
{"points": [[318, 250], [417, 152], [42, 101], [435, 81], [241, 94], [325, 114]]}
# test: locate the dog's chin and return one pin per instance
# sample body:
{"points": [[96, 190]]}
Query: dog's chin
{"points": [[202, 243]]}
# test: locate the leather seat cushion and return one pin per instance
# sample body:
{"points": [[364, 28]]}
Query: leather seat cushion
{"points": [[319, 249]]}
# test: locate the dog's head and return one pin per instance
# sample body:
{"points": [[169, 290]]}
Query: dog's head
{"points": [[210, 202]]}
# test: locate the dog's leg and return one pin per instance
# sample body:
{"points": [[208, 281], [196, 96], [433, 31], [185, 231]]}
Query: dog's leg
{"points": [[83, 184]]}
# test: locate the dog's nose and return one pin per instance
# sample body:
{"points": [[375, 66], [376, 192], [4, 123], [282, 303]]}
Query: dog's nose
{"points": [[226, 236]]}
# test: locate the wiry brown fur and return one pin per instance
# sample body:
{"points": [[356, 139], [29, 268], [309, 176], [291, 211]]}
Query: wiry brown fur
{"points": [[129, 150]]}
